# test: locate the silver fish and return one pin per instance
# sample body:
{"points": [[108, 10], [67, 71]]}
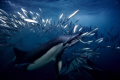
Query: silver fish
{"points": [[30, 20], [73, 14]]}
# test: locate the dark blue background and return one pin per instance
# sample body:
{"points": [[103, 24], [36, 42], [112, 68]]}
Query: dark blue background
{"points": [[100, 13]]}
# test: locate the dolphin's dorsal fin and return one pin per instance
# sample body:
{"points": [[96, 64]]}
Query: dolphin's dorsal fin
{"points": [[19, 53]]}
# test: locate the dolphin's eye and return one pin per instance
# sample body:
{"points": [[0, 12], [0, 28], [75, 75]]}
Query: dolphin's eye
{"points": [[73, 40]]}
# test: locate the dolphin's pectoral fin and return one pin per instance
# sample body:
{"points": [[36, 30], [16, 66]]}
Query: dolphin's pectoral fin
{"points": [[58, 65], [22, 65], [18, 53]]}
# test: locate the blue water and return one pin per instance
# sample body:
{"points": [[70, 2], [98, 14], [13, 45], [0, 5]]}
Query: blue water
{"points": [[102, 14]]}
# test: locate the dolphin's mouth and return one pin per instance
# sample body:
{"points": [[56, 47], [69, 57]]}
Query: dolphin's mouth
{"points": [[73, 41]]}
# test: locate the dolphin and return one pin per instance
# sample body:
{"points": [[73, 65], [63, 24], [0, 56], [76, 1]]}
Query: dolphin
{"points": [[50, 51]]}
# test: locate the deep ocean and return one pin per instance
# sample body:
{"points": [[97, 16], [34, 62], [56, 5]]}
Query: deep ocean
{"points": [[94, 54]]}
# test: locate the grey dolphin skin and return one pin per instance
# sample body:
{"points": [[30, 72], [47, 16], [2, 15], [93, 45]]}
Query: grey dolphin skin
{"points": [[50, 51]]}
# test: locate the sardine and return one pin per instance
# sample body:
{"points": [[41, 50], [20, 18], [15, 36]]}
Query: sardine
{"points": [[74, 30], [30, 20], [3, 12], [65, 25], [117, 47], [92, 34], [24, 12], [23, 17], [80, 29], [77, 20], [85, 48], [61, 16], [73, 14]]}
